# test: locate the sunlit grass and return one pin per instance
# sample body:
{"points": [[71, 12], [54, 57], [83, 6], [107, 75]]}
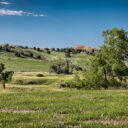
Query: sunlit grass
{"points": [[49, 106]]}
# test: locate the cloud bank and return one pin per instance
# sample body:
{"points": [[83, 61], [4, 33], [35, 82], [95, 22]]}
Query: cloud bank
{"points": [[5, 3], [8, 12]]}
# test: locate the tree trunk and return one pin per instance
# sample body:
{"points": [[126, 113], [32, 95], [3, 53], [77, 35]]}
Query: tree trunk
{"points": [[4, 84], [105, 77]]}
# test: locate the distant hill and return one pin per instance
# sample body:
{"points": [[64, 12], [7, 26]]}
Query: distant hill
{"points": [[19, 58]]}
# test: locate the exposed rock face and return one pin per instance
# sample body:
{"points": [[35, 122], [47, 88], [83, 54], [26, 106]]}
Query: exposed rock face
{"points": [[83, 47], [79, 47]]}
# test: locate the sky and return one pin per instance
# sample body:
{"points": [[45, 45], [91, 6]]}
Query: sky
{"points": [[60, 23]]}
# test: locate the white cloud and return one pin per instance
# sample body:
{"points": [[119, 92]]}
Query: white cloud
{"points": [[41, 15], [8, 12], [5, 3]]}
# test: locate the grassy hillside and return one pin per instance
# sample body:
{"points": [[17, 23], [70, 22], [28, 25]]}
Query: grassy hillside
{"points": [[26, 63]]}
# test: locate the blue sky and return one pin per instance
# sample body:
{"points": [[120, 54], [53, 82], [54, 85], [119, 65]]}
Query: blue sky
{"points": [[60, 23]]}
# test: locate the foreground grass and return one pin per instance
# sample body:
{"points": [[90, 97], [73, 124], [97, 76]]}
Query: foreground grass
{"points": [[45, 105], [52, 107]]}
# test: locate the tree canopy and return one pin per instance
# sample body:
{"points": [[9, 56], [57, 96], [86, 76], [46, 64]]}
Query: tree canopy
{"points": [[108, 67]]}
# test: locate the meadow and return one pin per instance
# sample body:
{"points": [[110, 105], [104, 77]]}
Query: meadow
{"points": [[30, 101], [28, 64], [46, 105]]}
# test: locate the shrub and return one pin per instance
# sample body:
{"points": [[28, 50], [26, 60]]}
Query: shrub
{"points": [[40, 75], [76, 82], [48, 52], [67, 53], [38, 57], [62, 67], [20, 82], [34, 81]]}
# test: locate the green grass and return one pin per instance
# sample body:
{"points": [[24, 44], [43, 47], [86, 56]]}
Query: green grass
{"points": [[28, 64], [64, 108], [48, 106], [38, 102]]}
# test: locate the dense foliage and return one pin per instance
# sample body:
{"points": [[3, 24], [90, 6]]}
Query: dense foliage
{"points": [[108, 67], [64, 67]]}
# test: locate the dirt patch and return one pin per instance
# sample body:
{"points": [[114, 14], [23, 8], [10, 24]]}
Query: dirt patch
{"points": [[102, 99], [58, 90], [19, 111]]}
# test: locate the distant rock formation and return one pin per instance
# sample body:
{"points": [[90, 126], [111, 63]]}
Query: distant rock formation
{"points": [[83, 47], [79, 47]]}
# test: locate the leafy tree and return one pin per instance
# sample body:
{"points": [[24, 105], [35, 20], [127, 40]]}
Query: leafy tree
{"points": [[38, 57], [38, 49], [26, 47], [46, 49], [17, 54], [31, 54], [67, 53], [108, 67], [0, 48], [5, 76], [34, 48], [22, 53], [48, 52], [109, 64], [53, 49], [57, 49], [63, 67]]}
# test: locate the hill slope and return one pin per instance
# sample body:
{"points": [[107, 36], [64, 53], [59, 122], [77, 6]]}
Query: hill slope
{"points": [[29, 62]]}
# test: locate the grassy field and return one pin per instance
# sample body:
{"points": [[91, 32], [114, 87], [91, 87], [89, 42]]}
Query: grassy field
{"points": [[46, 105], [38, 102], [34, 65]]}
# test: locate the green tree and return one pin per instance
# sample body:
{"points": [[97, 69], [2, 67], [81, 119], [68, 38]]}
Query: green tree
{"points": [[63, 67], [109, 64], [108, 67], [5, 76], [67, 53]]}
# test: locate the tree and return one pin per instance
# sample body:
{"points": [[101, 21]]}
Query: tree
{"points": [[38, 57], [26, 47], [48, 52], [34, 48], [53, 49], [5, 76], [63, 67], [38, 49], [57, 49], [109, 64], [17, 54], [67, 53], [108, 67]]}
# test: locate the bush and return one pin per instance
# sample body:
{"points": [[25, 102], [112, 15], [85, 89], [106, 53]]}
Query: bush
{"points": [[62, 67], [34, 81], [91, 80], [40, 75], [75, 83], [20, 82], [38, 57], [48, 52]]}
